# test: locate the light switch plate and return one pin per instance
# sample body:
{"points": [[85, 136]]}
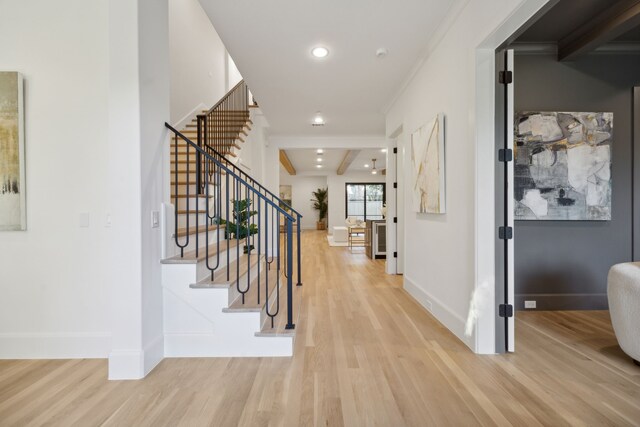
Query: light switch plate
{"points": [[155, 219], [84, 219], [529, 304]]}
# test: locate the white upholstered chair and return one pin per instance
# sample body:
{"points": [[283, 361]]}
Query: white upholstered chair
{"points": [[623, 291]]}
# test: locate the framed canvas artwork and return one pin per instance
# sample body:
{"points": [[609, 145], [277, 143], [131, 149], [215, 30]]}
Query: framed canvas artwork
{"points": [[285, 195], [427, 164], [12, 162], [562, 166]]}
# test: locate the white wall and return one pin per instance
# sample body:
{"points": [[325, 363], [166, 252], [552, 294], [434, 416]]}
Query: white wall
{"points": [[441, 267], [301, 188], [154, 72], [337, 188], [198, 59], [55, 276]]}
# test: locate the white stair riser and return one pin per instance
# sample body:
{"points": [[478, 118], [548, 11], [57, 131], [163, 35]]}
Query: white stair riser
{"points": [[195, 325], [201, 239], [194, 203], [202, 220], [273, 301], [203, 271], [233, 291]]}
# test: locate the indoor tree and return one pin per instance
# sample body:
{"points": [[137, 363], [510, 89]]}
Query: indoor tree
{"points": [[320, 199]]}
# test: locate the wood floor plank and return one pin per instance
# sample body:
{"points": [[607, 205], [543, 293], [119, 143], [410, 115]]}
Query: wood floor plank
{"points": [[366, 354]]}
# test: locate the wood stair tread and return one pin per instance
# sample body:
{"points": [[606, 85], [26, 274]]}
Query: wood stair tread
{"points": [[220, 275], [280, 321], [191, 196], [180, 183], [190, 257], [190, 212], [251, 297]]}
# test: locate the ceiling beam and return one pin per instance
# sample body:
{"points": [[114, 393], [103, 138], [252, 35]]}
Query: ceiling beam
{"points": [[284, 160], [614, 22], [346, 162]]}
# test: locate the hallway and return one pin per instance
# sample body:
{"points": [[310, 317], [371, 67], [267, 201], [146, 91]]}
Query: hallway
{"points": [[365, 354]]}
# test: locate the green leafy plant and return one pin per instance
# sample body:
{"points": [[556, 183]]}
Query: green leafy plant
{"points": [[320, 204], [240, 227]]}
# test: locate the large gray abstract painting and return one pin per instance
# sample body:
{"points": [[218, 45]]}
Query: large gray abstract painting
{"points": [[563, 166]]}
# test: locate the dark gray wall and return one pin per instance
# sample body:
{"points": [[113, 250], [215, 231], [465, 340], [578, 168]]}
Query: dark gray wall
{"points": [[564, 264]]}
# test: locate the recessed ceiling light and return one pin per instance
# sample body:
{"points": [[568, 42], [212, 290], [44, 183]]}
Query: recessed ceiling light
{"points": [[320, 52], [319, 151], [318, 166], [318, 120], [319, 159], [384, 150], [382, 52], [366, 166]]}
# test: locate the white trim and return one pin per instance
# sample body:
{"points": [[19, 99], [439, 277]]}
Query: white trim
{"points": [[73, 345], [434, 40], [136, 364], [485, 338], [180, 124], [440, 311], [284, 142], [153, 353], [126, 365]]}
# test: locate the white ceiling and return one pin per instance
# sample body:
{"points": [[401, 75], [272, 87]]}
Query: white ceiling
{"points": [[271, 40], [305, 160]]}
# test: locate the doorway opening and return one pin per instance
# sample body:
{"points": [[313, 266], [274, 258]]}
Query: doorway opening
{"points": [[567, 176]]}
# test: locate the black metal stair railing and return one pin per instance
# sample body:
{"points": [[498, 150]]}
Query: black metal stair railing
{"points": [[218, 130], [243, 219]]}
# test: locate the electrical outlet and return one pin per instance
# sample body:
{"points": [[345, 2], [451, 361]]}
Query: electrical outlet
{"points": [[529, 304]]}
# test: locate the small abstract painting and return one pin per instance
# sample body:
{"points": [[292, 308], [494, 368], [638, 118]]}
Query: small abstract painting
{"points": [[427, 161], [563, 166], [285, 195], [12, 169]]}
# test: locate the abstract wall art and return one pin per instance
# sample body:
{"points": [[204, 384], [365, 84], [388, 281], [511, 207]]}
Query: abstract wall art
{"points": [[562, 166], [285, 195], [428, 163], [12, 167]]}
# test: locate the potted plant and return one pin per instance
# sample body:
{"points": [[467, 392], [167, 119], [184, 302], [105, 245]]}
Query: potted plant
{"points": [[320, 204], [241, 228]]}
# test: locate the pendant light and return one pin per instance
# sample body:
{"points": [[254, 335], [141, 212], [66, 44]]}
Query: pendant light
{"points": [[373, 169]]}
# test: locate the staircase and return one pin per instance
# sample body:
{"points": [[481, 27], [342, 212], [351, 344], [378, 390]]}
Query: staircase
{"points": [[232, 287]]}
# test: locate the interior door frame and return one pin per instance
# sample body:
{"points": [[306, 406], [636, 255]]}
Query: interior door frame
{"points": [[505, 232], [400, 197]]}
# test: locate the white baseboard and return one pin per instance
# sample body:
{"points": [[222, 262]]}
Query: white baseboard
{"points": [[126, 365], [440, 311], [153, 353], [136, 364], [84, 345]]}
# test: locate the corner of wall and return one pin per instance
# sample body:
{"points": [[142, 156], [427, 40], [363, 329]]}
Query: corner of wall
{"points": [[136, 364], [440, 312]]}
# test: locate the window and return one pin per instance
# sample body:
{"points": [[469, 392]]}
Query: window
{"points": [[364, 200]]}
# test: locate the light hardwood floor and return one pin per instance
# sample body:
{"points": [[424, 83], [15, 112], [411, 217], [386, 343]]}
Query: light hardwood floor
{"points": [[365, 354]]}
